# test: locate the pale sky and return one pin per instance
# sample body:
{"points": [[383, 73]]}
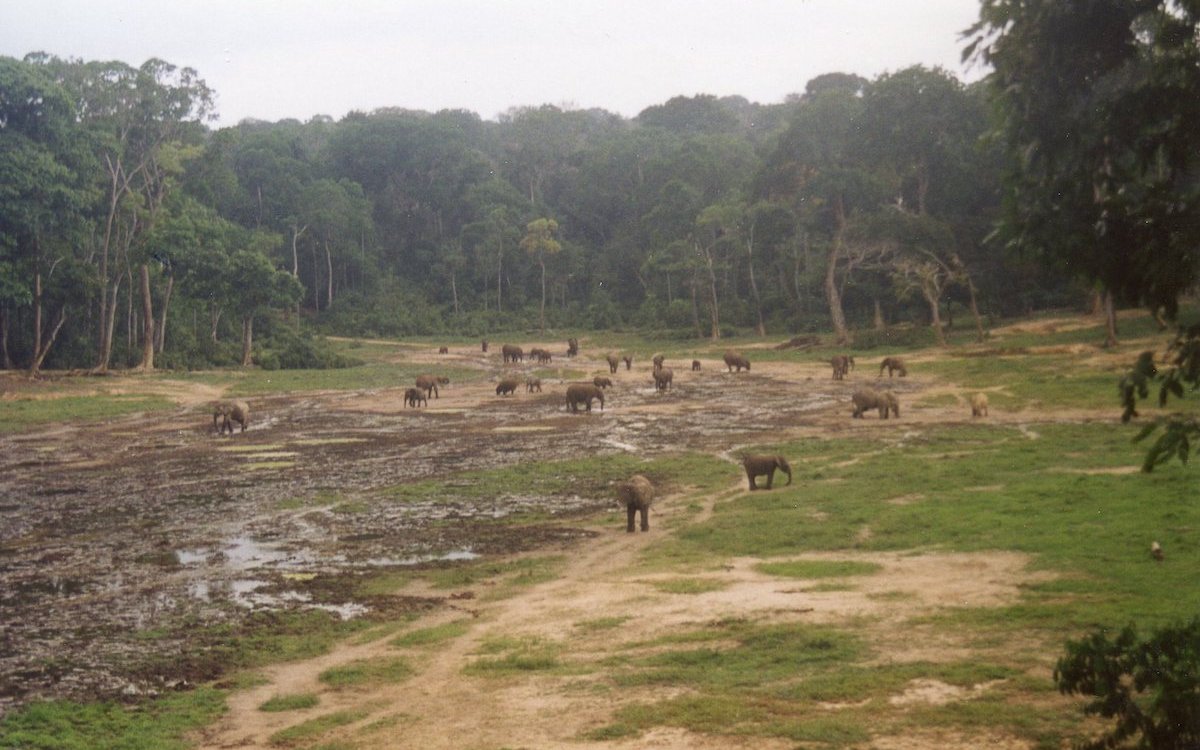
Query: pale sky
{"points": [[276, 59]]}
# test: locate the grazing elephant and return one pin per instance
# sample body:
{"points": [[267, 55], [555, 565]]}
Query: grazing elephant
{"points": [[512, 353], [443, 350], [628, 362], [544, 356], [601, 382], [695, 365], [572, 347], [413, 397], [484, 345], [658, 361], [733, 359], [867, 398], [757, 466], [533, 384], [842, 364], [636, 494], [507, 387], [613, 361], [583, 393], [230, 412], [662, 378], [979, 405], [429, 384], [892, 364]]}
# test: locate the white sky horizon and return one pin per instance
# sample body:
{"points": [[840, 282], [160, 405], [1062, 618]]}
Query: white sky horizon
{"points": [[295, 59]]}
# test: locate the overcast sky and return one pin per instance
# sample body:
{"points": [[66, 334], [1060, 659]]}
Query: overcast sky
{"points": [[275, 59]]}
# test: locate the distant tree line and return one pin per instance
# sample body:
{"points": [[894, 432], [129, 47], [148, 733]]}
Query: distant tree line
{"points": [[133, 234]]}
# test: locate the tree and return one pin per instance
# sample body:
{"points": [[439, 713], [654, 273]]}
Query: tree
{"points": [[539, 240], [1097, 105], [258, 286]]}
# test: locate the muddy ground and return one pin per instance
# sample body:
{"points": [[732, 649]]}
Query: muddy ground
{"points": [[119, 539]]}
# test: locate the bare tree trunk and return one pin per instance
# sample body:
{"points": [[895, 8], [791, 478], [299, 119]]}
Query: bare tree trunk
{"points": [[108, 324], [696, 306], [42, 348], [214, 318], [329, 279], [148, 336], [296, 261], [837, 316], [880, 323], [1110, 320], [935, 316], [499, 274], [542, 313], [974, 306], [454, 291], [162, 319], [1097, 303], [247, 339], [762, 328], [5, 358]]}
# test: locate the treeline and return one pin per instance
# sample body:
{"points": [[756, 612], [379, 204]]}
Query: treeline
{"points": [[132, 234]]}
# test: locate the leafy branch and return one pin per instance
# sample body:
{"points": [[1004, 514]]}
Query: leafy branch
{"points": [[1178, 430]]}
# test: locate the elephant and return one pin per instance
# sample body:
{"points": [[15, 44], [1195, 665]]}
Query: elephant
{"points": [[842, 364], [533, 384], [583, 393], [512, 353], [443, 350], [613, 361], [628, 362], [662, 378], [413, 397], [230, 412], [892, 364], [979, 405], [442, 380], [544, 356], [601, 382], [867, 398], [508, 387], [572, 347], [484, 345], [658, 361], [733, 359], [636, 494], [695, 365], [429, 384], [757, 466]]}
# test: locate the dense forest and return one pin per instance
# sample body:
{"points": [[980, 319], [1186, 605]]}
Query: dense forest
{"points": [[134, 234]]}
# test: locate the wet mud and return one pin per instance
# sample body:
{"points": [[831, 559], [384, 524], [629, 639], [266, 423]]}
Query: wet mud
{"points": [[120, 541]]}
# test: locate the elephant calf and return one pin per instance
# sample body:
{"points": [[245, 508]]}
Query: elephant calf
{"points": [[892, 364], [757, 466], [695, 365], [533, 384], [733, 359], [414, 396], [601, 382], [867, 398], [583, 393], [613, 361], [507, 387], [842, 364], [662, 378], [230, 412], [636, 494], [979, 405]]}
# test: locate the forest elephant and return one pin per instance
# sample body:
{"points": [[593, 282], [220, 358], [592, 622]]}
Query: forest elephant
{"points": [[230, 412], [533, 384], [601, 382], [429, 384], [443, 350], [628, 362], [613, 361], [695, 365], [636, 494], [868, 398], [507, 387], [484, 345], [583, 393], [544, 356], [733, 359], [414, 396], [512, 353], [662, 378], [979, 405], [658, 361], [757, 466], [572, 347], [892, 364], [842, 364]]}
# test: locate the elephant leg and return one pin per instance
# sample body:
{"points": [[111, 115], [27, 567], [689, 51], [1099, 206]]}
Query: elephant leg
{"points": [[630, 517], [645, 518], [770, 478]]}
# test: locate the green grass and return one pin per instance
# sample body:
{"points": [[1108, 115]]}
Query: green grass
{"points": [[293, 702], [509, 656], [307, 732], [22, 414], [432, 635], [690, 586], [819, 568], [367, 673], [160, 724]]}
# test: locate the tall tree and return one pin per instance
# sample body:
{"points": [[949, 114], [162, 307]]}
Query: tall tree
{"points": [[539, 241]]}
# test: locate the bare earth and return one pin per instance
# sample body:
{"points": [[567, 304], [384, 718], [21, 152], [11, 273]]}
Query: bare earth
{"points": [[118, 528]]}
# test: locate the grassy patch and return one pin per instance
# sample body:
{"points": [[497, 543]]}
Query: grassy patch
{"points": [[22, 414], [432, 635], [293, 702], [601, 623], [819, 568], [690, 585], [504, 657], [161, 724], [307, 732], [363, 673]]}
